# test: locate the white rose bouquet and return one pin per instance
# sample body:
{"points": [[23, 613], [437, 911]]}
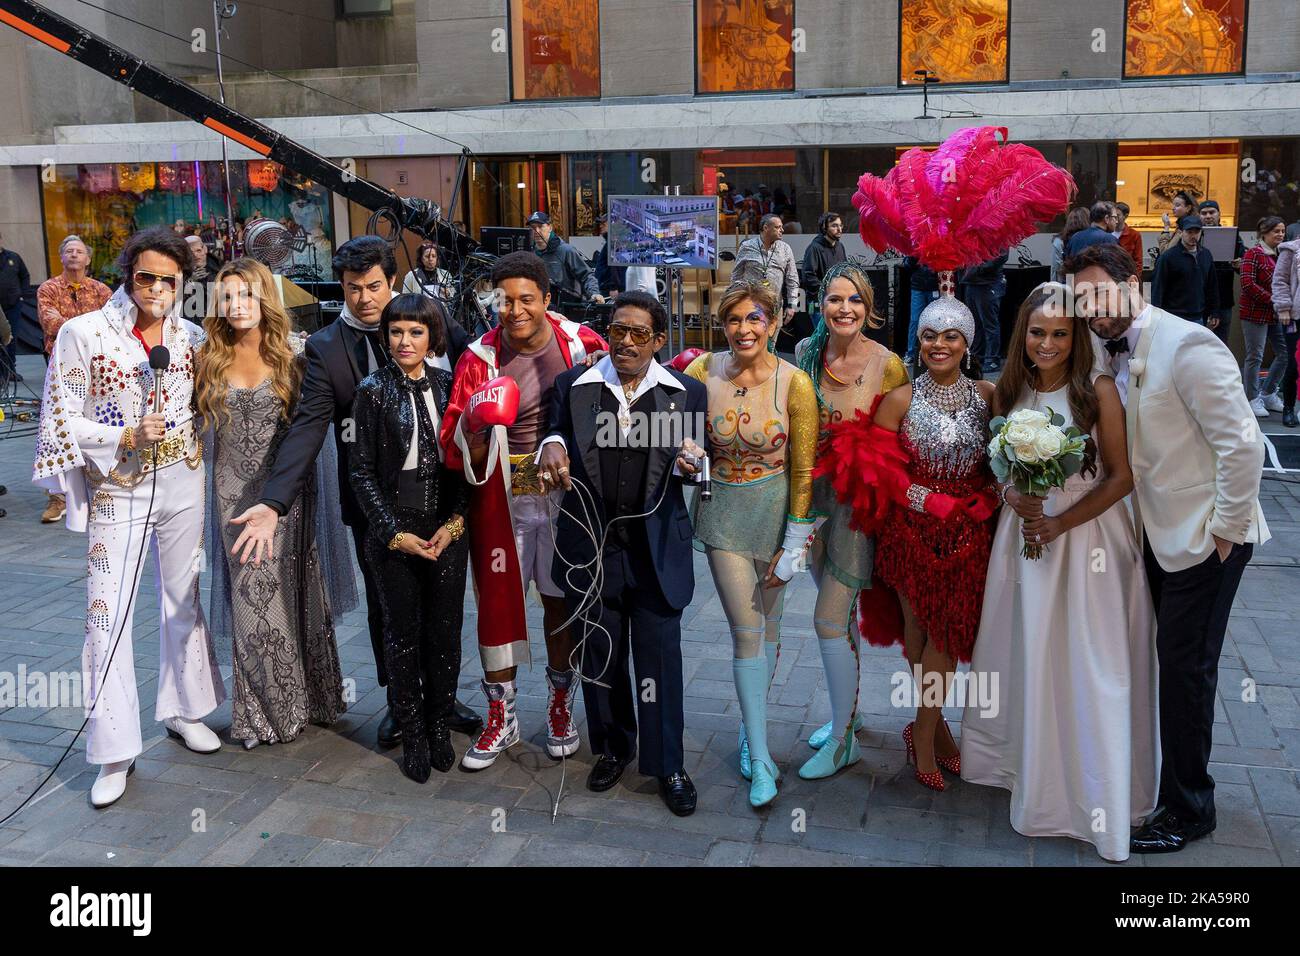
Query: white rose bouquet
{"points": [[1032, 450]]}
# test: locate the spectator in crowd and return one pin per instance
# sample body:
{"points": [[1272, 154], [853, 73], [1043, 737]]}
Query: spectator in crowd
{"points": [[1102, 219], [982, 287], [924, 286], [823, 252], [1075, 221], [205, 267], [1260, 323], [1183, 205], [611, 280], [768, 260], [1128, 237], [1286, 294], [1221, 321], [1184, 281], [429, 278], [14, 280], [571, 277], [63, 297]]}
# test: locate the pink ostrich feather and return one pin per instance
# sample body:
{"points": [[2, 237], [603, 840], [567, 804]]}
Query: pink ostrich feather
{"points": [[968, 201]]}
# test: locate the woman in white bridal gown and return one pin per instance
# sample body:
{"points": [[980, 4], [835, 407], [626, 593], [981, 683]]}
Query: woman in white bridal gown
{"points": [[1069, 637]]}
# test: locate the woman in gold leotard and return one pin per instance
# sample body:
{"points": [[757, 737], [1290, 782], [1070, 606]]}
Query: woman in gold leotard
{"points": [[762, 431]]}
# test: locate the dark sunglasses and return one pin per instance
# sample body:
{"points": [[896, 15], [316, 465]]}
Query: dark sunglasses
{"points": [[639, 335], [146, 280]]}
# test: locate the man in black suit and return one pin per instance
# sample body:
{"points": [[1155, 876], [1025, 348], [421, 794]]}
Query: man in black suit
{"points": [[630, 424], [339, 356]]}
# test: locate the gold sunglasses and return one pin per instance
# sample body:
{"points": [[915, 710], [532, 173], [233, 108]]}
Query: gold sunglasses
{"points": [[146, 280], [638, 334]]}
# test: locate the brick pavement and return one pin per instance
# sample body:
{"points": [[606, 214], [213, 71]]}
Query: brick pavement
{"points": [[331, 798]]}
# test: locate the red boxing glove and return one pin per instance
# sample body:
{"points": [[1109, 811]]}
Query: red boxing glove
{"points": [[685, 358], [496, 403]]}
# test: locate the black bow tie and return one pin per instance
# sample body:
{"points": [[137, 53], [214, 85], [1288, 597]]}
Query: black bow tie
{"points": [[421, 384], [1116, 346]]}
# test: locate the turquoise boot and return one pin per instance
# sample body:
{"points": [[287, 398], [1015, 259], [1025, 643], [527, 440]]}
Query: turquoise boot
{"points": [[751, 690], [823, 733], [831, 758]]}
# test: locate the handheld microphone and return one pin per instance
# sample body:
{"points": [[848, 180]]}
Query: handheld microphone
{"points": [[706, 486], [159, 359]]}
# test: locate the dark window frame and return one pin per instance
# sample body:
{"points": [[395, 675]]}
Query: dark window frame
{"points": [[510, 64], [952, 84], [1166, 77], [695, 42]]}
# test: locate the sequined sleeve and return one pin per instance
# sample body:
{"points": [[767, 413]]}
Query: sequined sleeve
{"points": [[895, 374], [802, 405], [69, 436]]}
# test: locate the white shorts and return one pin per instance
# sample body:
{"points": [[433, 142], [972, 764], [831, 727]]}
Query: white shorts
{"points": [[534, 518]]}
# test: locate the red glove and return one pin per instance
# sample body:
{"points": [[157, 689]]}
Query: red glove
{"points": [[979, 506], [685, 358], [941, 506], [496, 403]]}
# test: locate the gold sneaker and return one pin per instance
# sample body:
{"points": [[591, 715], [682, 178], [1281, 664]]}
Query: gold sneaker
{"points": [[54, 510]]}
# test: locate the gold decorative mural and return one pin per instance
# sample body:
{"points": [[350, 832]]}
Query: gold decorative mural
{"points": [[554, 49], [1184, 37], [744, 45], [960, 41]]}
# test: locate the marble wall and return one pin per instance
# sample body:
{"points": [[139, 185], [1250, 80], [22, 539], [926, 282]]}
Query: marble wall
{"points": [[458, 66], [849, 45], [1273, 36], [20, 217], [647, 49], [1051, 40]]}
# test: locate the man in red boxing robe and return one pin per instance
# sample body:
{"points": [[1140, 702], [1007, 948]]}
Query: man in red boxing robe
{"points": [[511, 515]]}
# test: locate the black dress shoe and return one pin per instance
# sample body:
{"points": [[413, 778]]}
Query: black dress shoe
{"points": [[464, 721], [390, 734], [1168, 834], [678, 793], [1289, 419], [607, 772]]}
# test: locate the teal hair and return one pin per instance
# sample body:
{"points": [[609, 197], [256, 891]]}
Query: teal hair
{"points": [[810, 360]]}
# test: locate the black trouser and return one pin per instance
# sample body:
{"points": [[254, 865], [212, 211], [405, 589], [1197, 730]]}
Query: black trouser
{"points": [[422, 604], [1192, 609], [1289, 379], [985, 303], [374, 615], [633, 612]]}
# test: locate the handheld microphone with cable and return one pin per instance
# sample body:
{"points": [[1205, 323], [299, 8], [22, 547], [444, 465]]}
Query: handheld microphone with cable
{"points": [[706, 485], [159, 359]]}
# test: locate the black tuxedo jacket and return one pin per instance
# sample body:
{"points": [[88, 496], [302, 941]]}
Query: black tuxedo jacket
{"points": [[328, 387], [574, 417]]}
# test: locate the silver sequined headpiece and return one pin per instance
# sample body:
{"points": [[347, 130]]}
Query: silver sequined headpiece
{"points": [[946, 313]]}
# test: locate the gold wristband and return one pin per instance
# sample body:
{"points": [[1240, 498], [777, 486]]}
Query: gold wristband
{"points": [[455, 527], [397, 541], [128, 438]]}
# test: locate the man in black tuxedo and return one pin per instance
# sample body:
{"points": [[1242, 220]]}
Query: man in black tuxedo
{"points": [[339, 356], [631, 425]]}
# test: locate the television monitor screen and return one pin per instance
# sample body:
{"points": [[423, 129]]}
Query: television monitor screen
{"points": [[673, 232], [502, 240]]}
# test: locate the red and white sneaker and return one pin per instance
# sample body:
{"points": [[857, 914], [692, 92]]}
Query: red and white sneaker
{"points": [[561, 733], [499, 733]]}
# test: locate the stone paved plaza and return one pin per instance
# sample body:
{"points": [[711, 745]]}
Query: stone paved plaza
{"points": [[332, 798]]}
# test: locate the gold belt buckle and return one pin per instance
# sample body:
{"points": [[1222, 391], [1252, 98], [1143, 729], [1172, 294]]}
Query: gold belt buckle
{"points": [[525, 479]]}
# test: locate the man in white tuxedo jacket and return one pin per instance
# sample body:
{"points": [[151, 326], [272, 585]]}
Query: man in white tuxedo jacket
{"points": [[1197, 456]]}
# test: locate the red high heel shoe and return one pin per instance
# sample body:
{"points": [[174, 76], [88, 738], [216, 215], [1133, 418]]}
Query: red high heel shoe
{"points": [[951, 764], [933, 779]]}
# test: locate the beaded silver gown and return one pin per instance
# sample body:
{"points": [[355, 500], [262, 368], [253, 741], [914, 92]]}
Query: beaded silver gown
{"points": [[285, 658]]}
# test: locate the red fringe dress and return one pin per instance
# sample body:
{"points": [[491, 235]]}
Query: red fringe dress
{"points": [[926, 492]]}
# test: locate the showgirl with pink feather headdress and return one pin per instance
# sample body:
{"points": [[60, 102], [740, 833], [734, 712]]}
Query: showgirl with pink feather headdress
{"points": [[966, 202], [914, 470]]}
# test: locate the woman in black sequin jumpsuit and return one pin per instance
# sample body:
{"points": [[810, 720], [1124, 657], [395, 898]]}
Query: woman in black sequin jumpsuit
{"points": [[415, 509]]}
